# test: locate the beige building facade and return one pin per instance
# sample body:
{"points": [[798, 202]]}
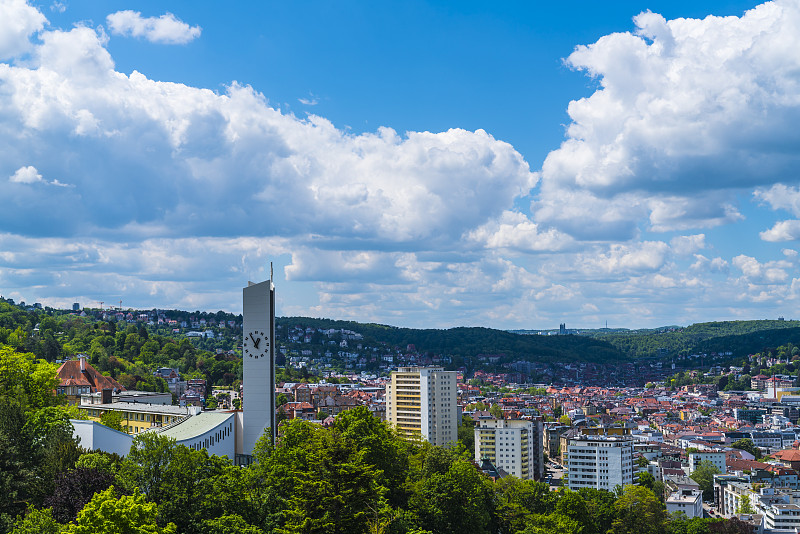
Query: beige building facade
{"points": [[421, 401]]}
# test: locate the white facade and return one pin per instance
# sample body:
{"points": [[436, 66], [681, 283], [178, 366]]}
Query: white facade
{"points": [[600, 462], [512, 445], [782, 516], [258, 349], [715, 457], [688, 501], [423, 401], [213, 431], [97, 437]]}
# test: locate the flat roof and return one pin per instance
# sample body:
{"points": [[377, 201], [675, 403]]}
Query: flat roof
{"points": [[197, 425], [143, 407]]}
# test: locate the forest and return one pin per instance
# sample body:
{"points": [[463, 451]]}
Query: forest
{"points": [[739, 337], [355, 477]]}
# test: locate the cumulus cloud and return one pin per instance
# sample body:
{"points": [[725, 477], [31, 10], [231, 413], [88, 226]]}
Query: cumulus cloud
{"points": [[756, 272], [226, 164], [780, 197], [688, 244], [514, 230], [619, 260], [686, 112], [166, 29], [18, 21], [782, 231], [26, 175]]}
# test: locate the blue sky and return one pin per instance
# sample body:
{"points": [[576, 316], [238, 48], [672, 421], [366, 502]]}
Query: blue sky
{"points": [[503, 164]]}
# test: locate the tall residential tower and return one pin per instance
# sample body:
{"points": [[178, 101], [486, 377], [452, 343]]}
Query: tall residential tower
{"points": [[422, 401]]}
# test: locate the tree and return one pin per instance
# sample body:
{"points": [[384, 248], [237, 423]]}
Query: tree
{"points": [[456, 501], [466, 433], [639, 512], [744, 506], [112, 419], [551, 524], [334, 491], [518, 500], [229, 524], [146, 464], [746, 444], [704, 475], [29, 380], [601, 505], [108, 514], [646, 480], [75, 488], [39, 521], [379, 446], [496, 411]]}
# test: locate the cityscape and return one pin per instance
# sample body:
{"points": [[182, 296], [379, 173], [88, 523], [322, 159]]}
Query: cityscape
{"points": [[426, 267]]}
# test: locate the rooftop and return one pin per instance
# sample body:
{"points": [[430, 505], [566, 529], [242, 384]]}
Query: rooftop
{"points": [[197, 425]]}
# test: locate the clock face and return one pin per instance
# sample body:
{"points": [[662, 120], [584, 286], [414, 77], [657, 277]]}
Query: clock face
{"points": [[255, 345]]}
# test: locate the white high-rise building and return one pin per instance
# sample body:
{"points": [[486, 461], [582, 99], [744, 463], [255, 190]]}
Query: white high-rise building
{"points": [[512, 445], [600, 462], [258, 353], [422, 401]]}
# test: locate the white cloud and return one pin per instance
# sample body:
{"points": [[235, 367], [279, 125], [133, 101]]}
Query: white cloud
{"points": [[514, 230], [685, 245], [18, 21], [26, 175], [782, 231], [166, 29], [622, 260], [780, 197], [687, 112], [756, 272]]}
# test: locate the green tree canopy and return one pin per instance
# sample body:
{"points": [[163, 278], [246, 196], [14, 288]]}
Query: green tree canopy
{"points": [[108, 514]]}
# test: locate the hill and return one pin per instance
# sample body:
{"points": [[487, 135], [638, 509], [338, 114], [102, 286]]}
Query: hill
{"points": [[739, 337], [473, 341]]}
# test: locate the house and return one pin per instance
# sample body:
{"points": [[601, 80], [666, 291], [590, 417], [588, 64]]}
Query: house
{"points": [[77, 377]]}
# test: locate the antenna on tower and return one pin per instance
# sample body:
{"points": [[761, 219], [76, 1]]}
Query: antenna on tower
{"points": [[270, 272]]}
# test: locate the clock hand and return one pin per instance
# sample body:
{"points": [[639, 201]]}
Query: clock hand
{"points": [[256, 342]]}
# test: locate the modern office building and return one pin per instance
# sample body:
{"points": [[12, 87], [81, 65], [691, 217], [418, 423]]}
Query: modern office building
{"points": [[514, 446], [600, 462], [421, 402]]}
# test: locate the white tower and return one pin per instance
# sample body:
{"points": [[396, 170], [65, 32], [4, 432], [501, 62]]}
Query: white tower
{"points": [[258, 352]]}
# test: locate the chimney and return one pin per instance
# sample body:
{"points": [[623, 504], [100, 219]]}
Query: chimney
{"points": [[82, 359], [106, 396]]}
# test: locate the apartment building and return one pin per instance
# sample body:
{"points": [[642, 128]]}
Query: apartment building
{"points": [[717, 459], [421, 401], [512, 445], [688, 501], [600, 462]]}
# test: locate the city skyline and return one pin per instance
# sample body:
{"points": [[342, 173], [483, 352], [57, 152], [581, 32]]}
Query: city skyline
{"points": [[422, 165]]}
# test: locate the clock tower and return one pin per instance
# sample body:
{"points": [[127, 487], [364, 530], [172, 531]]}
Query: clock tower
{"points": [[258, 352]]}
